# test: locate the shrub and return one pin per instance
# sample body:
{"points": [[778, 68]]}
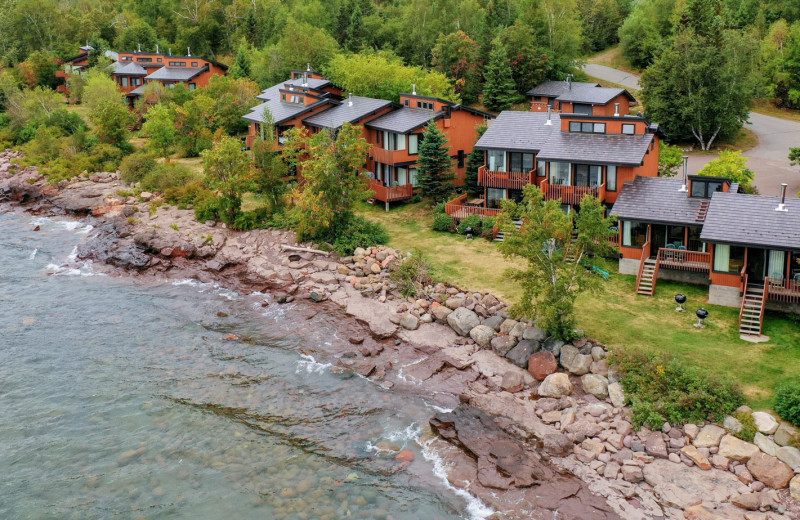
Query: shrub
{"points": [[749, 427], [182, 196], [168, 175], [443, 222], [661, 388], [351, 232], [206, 207], [135, 166], [412, 273], [787, 400], [439, 209], [472, 221]]}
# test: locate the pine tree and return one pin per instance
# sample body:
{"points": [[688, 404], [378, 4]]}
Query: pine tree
{"points": [[241, 66], [475, 160], [354, 39], [499, 91], [436, 175]]}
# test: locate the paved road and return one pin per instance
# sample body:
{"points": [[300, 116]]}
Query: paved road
{"points": [[768, 159]]}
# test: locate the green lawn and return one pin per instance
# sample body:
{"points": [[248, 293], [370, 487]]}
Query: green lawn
{"points": [[617, 316]]}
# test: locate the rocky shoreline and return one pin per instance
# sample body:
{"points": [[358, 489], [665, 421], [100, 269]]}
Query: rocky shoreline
{"points": [[538, 428]]}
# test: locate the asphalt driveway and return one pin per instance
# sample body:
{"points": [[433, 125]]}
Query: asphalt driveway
{"points": [[768, 160]]}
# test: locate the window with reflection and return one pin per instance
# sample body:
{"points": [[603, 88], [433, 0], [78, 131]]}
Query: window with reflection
{"points": [[634, 233]]}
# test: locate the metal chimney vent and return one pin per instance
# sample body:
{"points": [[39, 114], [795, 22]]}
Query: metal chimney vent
{"points": [[616, 109], [549, 121], [782, 205], [350, 100], [188, 51], [414, 89], [685, 186]]}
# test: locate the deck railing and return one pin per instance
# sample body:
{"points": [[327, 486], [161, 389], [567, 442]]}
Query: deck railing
{"points": [[645, 256], [684, 260], [384, 156], [783, 290], [390, 193], [457, 209], [508, 180], [570, 194]]}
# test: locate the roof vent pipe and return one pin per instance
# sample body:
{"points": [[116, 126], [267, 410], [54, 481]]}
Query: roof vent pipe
{"points": [[188, 51], [308, 67], [350, 100], [616, 109], [140, 47], [685, 186], [569, 81], [305, 79], [413, 89], [170, 51], [549, 119], [782, 205]]}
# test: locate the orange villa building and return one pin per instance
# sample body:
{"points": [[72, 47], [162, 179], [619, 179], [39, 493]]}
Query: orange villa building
{"points": [[77, 65], [134, 70]]}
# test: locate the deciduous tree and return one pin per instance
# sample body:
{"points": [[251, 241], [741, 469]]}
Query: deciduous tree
{"points": [[229, 172], [160, 128], [554, 273], [732, 166], [670, 158]]}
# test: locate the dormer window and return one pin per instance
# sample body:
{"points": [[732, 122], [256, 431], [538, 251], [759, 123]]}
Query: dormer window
{"points": [[296, 99], [587, 127], [628, 129], [425, 104], [704, 189]]}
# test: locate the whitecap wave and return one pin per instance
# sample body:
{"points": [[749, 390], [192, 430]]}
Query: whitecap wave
{"points": [[33, 254], [68, 225], [311, 365], [208, 286]]}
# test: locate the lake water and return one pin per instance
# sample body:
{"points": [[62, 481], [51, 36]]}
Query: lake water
{"points": [[123, 399]]}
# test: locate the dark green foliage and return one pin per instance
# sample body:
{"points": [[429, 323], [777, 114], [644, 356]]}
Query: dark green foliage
{"points": [[749, 428], [487, 227], [413, 273], [436, 167], [472, 221], [167, 175], [443, 222], [352, 231], [440, 209], [475, 160], [661, 388], [499, 91], [787, 401], [183, 196], [206, 207], [134, 167]]}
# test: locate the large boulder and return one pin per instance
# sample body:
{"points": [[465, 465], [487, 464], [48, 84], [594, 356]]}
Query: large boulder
{"points": [[579, 365], [463, 320], [520, 354], [617, 394], [542, 364], [770, 470], [785, 434], [709, 436], [736, 449], [440, 312], [409, 322], [482, 335], [535, 334], [765, 423], [765, 444], [568, 353], [596, 385], [503, 344], [555, 385], [682, 486], [790, 455]]}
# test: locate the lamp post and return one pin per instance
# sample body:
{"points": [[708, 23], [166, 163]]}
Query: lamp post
{"points": [[680, 299], [702, 314], [468, 232]]}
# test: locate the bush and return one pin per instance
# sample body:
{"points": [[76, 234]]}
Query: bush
{"points": [[787, 400], [749, 427], [661, 388], [206, 207], [183, 196], [168, 175], [135, 166], [443, 222], [412, 273], [487, 227], [472, 221], [351, 232], [440, 209]]}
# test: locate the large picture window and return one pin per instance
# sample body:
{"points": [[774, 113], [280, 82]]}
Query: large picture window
{"points": [[728, 259], [497, 160], [413, 144], [634, 233], [559, 173], [611, 178], [521, 162]]}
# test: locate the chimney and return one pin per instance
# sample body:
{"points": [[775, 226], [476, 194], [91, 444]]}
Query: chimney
{"points": [[188, 51], [782, 205], [549, 121], [156, 48], [685, 187], [170, 51], [350, 100], [308, 67], [305, 79], [140, 47], [616, 109], [569, 81], [414, 89]]}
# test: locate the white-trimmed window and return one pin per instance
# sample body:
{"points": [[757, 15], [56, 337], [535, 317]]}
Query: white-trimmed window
{"points": [[413, 144], [412, 176], [628, 129]]}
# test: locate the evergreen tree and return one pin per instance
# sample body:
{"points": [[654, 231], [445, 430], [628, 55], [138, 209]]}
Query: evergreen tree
{"points": [[499, 91], [354, 35], [436, 175], [241, 66], [475, 160]]}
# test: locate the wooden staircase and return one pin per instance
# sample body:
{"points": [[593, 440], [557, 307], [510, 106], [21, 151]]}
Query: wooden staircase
{"points": [[702, 211], [751, 315], [648, 274], [501, 235], [571, 252]]}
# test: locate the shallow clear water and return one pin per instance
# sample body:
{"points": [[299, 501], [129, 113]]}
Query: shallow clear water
{"points": [[123, 399]]}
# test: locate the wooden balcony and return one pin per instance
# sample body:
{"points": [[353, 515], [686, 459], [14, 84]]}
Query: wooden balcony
{"points": [[505, 180], [571, 195], [684, 260], [783, 290], [62, 74], [458, 209], [385, 156], [390, 194]]}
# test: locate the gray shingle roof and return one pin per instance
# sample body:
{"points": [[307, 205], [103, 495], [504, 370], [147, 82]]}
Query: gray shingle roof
{"points": [[131, 69], [175, 73], [593, 96], [138, 91], [556, 88], [313, 83], [346, 113], [404, 119], [622, 150], [656, 199], [738, 218], [522, 131]]}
